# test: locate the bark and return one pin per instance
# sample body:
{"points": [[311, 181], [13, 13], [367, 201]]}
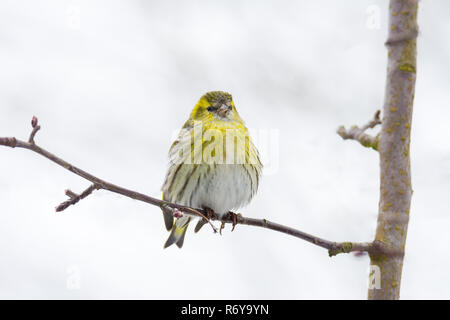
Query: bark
{"points": [[386, 256]]}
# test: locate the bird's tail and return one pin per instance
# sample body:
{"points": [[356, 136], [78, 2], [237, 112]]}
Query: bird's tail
{"points": [[168, 218], [168, 215], [178, 232]]}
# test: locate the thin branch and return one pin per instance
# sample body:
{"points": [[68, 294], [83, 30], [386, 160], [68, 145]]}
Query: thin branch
{"points": [[36, 127], [71, 194], [198, 213], [358, 134], [74, 198], [333, 248]]}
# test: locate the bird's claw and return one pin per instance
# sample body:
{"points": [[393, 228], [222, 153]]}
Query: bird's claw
{"points": [[210, 214], [234, 218]]}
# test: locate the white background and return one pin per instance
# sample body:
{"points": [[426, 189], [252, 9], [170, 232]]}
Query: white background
{"points": [[111, 81]]}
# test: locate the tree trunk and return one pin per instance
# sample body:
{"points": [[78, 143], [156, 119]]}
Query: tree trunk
{"points": [[386, 259]]}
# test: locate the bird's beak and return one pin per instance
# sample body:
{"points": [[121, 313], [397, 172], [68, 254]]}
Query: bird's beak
{"points": [[224, 110]]}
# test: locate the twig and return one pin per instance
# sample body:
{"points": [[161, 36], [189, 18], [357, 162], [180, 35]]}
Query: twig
{"points": [[36, 128], [70, 194], [333, 248], [198, 213], [74, 198], [358, 134]]}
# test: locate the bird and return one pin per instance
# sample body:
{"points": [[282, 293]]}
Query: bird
{"points": [[213, 165]]}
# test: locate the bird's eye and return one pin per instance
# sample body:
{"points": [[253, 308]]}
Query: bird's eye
{"points": [[210, 108]]}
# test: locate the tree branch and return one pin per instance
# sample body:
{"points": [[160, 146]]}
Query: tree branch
{"points": [[36, 128], [333, 248], [74, 198], [358, 134], [395, 169]]}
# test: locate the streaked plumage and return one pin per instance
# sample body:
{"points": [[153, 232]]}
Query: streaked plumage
{"points": [[213, 163]]}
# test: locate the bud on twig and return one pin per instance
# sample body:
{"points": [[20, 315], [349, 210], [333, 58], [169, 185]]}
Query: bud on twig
{"points": [[177, 213], [34, 121]]}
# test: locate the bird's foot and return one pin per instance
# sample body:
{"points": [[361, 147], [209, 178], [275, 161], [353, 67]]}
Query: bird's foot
{"points": [[222, 226], [234, 218], [210, 214]]}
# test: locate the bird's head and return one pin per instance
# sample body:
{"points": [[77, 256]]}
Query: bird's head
{"points": [[215, 105]]}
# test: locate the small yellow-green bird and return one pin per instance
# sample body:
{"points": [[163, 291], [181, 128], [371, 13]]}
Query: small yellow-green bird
{"points": [[213, 164]]}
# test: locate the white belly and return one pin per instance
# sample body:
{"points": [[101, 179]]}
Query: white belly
{"points": [[226, 188]]}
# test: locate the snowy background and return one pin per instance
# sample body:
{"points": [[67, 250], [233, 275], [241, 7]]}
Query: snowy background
{"points": [[111, 81]]}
